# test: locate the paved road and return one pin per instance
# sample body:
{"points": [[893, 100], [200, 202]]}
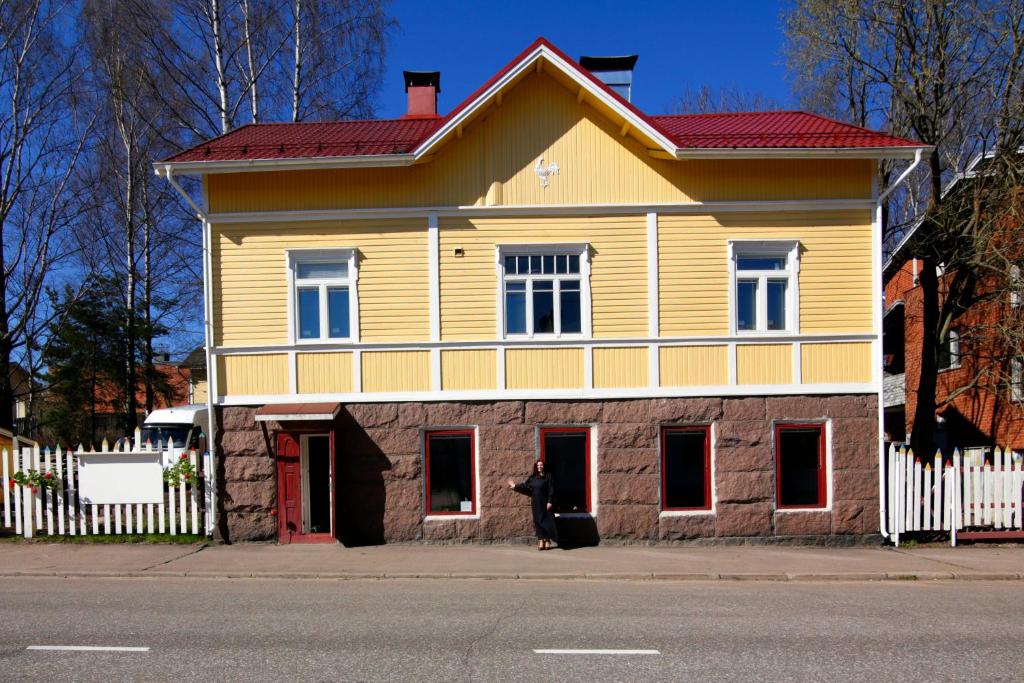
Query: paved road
{"points": [[437, 630]]}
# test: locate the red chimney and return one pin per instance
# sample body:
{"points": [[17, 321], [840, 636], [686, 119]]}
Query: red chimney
{"points": [[422, 88]]}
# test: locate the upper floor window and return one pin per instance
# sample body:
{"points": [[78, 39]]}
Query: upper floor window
{"points": [[544, 291], [323, 295], [1016, 287], [764, 286], [949, 351], [1017, 378]]}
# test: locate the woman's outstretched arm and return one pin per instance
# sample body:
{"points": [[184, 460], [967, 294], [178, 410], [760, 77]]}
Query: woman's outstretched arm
{"points": [[519, 488]]}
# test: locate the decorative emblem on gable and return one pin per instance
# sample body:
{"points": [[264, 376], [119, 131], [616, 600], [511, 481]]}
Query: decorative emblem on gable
{"points": [[544, 172]]}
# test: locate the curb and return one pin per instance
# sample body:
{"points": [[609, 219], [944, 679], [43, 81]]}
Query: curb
{"points": [[529, 576]]}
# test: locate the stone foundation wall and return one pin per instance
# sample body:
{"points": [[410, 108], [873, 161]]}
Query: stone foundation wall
{"points": [[379, 479]]}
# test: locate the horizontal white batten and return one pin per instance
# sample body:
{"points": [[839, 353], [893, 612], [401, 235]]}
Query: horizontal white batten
{"points": [[559, 394], [547, 343], [542, 210]]}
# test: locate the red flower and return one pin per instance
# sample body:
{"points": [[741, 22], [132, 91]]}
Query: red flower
{"points": [[187, 477], [183, 456], [273, 512], [48, 475]]}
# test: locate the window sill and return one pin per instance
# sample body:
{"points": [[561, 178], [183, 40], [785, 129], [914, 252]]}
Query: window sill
{"points": [[340, 341], [765, 333], [575, 515], [452, 517], [687, 513], [825, 508]]}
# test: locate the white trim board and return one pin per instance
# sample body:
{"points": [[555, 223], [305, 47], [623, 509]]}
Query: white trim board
{"points": [[782, 205], [559, 394]]}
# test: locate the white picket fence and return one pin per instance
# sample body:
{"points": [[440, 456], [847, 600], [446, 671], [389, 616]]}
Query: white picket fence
{"points": [[37, 511], [961, 495]]}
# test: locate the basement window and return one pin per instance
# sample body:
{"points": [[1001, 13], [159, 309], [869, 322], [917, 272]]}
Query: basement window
{"points": [[450, 465], [800, 473], [565, 452], [323, 295], [685, 468]]}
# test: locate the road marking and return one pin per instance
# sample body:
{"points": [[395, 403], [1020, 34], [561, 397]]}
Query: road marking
{"points": [[87, 648], [597, 652]]}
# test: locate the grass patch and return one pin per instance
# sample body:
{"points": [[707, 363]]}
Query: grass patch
{"points": [[108, 539]]}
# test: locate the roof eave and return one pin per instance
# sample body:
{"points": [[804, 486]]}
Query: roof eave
{"points": [[297, 164], [799, 152]]}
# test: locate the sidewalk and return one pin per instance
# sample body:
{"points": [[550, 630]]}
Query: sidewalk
{"points": [[764, 563]]}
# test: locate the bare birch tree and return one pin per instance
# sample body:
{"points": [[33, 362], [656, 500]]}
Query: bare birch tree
{"points": [[42, 136], [922, 69]]}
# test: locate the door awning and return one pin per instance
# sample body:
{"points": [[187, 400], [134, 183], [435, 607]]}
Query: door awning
{"points": [[293, 412]]}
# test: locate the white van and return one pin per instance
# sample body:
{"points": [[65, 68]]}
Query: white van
{"points": [[184, 426]]}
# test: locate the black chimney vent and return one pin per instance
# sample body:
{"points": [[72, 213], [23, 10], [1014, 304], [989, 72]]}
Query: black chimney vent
{"points": [[615, 72]]}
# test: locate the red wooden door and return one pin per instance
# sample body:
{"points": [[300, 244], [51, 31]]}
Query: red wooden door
{"points": [[289, 488]]}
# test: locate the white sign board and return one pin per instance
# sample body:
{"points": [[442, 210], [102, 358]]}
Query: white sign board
{"points": [[120, 478]]}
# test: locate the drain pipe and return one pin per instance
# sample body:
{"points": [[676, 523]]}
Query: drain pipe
{"points": [[882, 456], [211, 372]]}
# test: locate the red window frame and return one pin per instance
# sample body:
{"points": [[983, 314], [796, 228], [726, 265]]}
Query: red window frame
{"points": [[472, 468], [665, 431], [822, 465], [586, 464]]}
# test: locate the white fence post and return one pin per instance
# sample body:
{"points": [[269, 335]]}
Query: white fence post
{"points": [[7, 487]]}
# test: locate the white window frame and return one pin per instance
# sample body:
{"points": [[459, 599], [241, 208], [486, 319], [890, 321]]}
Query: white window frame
{"points": [[295, 257], [953, 342], [581, 250], [790, 249], [1017, 378]]}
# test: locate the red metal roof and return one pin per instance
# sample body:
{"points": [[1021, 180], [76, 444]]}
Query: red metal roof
{"points": [[758, 130], [311, 140], [774, 129]]}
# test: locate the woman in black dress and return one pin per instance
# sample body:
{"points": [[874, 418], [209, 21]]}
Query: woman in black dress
{"points": [[541, 490]]}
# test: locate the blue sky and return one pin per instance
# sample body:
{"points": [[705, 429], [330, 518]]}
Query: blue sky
{"points": [[682, 44]]}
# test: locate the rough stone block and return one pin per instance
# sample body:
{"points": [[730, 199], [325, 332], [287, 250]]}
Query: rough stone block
{"points": [[855, 484], [236, 418], [251, 526], [405, 467], [681, 527], [803, 523], [563, 412], [506, 522], [631, 489], [511, 437], [401, 525], [249, 496], [246, 444], [249, 469], [627, 521], [638, 410], [395, 441], [744, 458], [406, 495], [795, 407], [440, 530], [743, 487], [849, 517], [743, 519], [855, 430], [618, 435], [497, 413], [372, 414], [412, 415], [686, 410], [633, 460], [743, 409], [848, 406], [730, 434], [857, 455]]}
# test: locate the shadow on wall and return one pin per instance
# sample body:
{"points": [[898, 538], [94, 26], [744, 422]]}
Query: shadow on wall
{"points": [[360, 495], [577, 532]]}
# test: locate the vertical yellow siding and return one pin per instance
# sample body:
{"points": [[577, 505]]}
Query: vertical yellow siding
{"points": [[251, 280], [827, 363], [618, 278], [469, 369], [620, 367], [544, 368], [324, 373], [493, 163], [250, 375], [396, 371], [683, 366], [764, 363], [835, 268], [199, 391]]}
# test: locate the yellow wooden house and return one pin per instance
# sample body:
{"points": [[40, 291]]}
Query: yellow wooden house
{"points": [[680, 315]]}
